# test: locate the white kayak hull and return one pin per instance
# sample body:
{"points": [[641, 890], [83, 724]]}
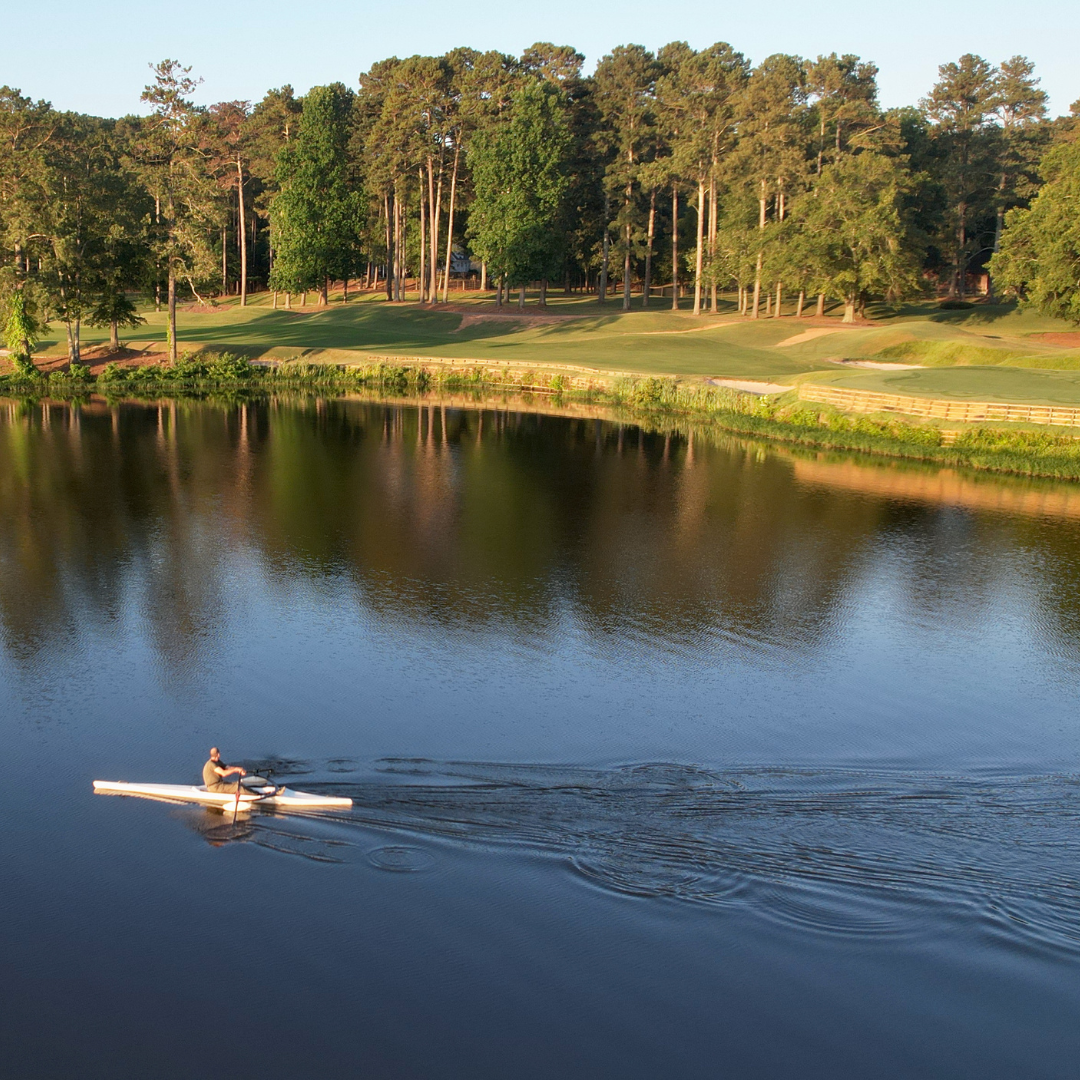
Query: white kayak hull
{"points": [[187, 793]]}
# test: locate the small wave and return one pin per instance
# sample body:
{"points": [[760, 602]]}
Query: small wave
{"points": [[852, 852], [401, 858]]}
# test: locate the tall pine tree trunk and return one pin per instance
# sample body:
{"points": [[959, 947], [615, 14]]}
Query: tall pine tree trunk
{"points": [[243, 232], [999, 224], [700, 252], [799, 304], [394, 251], [450, 227], [712, 241], [674, 247], [157, 267], [172, 314], [602, 296], [762, 199], [114, 336], [961, 254], [403, 248], [435, 210], [543, 292], [423, 237], [389, 247], [483, 276], [779, 297], [649, 249], [626, 272]]}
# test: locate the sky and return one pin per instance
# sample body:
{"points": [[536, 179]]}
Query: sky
{"points": [[92, 56]]}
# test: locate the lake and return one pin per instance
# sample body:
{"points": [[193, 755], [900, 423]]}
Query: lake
{"points": [[672, 755]]}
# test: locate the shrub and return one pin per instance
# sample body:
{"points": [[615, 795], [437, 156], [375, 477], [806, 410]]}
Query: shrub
{"points": [[24, 366], [113, 372]]}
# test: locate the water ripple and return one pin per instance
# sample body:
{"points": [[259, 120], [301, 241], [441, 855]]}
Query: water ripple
{"points": [[848, 852]]}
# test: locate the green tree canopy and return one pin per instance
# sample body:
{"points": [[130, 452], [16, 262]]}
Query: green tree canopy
{"points": [[316, 215], [1040, 247], [852, 232], [521, 179]]}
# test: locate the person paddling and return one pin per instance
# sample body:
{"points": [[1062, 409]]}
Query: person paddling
{"points": [[215, 771]]}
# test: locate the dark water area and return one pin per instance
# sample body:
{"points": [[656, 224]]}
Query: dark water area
{"points": [[671, 755]]}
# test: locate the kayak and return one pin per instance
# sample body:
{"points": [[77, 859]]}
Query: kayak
{"points": [[256, 794]]}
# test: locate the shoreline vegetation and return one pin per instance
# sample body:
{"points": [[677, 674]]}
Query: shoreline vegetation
{"points": [[655, 404]]}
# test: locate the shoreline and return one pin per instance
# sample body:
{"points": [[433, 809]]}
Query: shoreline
{"points": [[651, 402]]}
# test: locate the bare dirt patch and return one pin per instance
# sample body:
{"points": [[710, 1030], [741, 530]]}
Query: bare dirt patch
{"points": [[1068, 339], [525, 318], [808, 335], [95, 358]]}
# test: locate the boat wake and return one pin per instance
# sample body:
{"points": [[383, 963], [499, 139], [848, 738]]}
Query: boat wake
{"points": [[841, 851]]}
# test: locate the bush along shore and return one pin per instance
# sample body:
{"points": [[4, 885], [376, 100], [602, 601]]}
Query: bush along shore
{"points": [[655, 403]]}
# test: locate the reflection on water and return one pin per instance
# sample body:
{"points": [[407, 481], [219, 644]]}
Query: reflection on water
{"points": [[846, 689], [463, 516]]}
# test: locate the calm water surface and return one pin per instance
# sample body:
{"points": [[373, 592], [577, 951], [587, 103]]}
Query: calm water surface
{"points": [[670, 756]]}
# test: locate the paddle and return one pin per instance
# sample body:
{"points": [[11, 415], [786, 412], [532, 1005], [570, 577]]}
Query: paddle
{"points": [[239, 788]]}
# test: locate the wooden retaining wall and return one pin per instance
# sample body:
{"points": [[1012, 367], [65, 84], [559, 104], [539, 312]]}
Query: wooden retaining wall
{"points": [[937, 408]]}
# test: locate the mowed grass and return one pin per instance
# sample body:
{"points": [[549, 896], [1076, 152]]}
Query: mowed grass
{"points": [[1006, 384], [984, 353]]}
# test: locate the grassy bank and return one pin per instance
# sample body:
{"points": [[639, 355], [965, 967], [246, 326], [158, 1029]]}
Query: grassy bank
{"points": [[578, 331], [1045, 452], [655, 403]]}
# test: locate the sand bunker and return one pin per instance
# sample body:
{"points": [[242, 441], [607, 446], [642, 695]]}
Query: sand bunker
{"points": [[751, 386], [876, 365]]}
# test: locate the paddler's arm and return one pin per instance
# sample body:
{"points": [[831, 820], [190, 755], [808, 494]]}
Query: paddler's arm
{"points": [[230, 770]]}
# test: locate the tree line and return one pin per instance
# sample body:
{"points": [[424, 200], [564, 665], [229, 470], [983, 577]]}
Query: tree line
{"points": [[668, 176]]}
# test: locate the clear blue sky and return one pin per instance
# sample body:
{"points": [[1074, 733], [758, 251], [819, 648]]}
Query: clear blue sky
{"points": [[93, 57]]}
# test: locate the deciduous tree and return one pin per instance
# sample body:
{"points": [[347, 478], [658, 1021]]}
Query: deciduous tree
{"points": [[317, 214], [853, 231], [1040, 246], [521, 181]]}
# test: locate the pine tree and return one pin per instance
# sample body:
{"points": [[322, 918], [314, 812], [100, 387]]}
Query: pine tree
{"points": [[316, 216], [774, 125], [1021, 110], [961, 105], [174, 159], [844, 89], [625, 83]]}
